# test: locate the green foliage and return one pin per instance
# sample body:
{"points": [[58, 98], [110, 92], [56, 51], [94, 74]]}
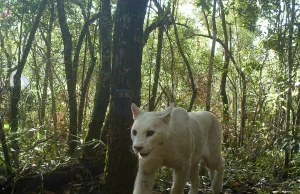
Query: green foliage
{"points": [[205, 5], [254, 157], [248, 12], [164, 179]]}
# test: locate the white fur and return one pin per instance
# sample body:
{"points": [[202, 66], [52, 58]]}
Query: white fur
{"points": [[180, 141]]}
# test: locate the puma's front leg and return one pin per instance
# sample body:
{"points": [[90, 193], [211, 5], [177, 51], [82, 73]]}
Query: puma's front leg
{"points": [[145, 177], [179, 179], [143, 183]]}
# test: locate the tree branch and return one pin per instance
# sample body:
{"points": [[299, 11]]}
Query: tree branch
{"points": [[164, 20], [194, 94]]}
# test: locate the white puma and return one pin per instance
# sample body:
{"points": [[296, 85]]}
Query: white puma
{"points": [[179, 140]]}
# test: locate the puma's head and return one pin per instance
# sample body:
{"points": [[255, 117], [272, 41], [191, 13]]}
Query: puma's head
{"points": [[149, 130]]}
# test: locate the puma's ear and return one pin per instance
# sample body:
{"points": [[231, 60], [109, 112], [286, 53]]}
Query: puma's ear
{"points": [[135, 111], [166, 114]]}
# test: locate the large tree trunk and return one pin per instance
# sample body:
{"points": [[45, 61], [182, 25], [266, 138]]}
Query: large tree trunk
{"points": [[102, 95], [126, 84], [71, 74], [15, 97]]}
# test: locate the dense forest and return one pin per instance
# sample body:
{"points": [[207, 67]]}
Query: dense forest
{"points": [[70, 69]]}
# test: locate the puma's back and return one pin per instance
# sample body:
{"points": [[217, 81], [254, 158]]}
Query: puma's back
{"points": [[207, 133]]}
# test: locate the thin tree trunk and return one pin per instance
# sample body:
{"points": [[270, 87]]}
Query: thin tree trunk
{"points": [[157, 67], [8, 60], [101, 99], [161, 26], [224, 75], [36, 71], [290, 80], [86, 83], [242, 75], [53, 99], [5, 148], [126, 84], [45, 88], [212, 56], [187, 63], [15, 97], [203, 170], [243, 106], [83, 96], [48, 62], [71, 74], [297, 125], [170, 99], [84, 89]]}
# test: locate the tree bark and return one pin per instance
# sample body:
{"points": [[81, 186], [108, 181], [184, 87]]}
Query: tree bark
{"points": [[212, 56], [126, 85], [37, 77], [51, 68], [105, 129], [48, 63], [157, 68], [224, 75], [15, 97], [243, 106], [101, 99], [53, 98], [297, 123], [71, 74], [5, 149], [290, 80], [8, 60]]}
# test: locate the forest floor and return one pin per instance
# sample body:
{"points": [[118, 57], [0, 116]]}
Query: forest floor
{"points": [[94, 185], [77, 178], [230, 187]]}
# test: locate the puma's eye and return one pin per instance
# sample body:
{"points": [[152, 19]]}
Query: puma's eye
{"points": [[150, 133], [134, 132]]}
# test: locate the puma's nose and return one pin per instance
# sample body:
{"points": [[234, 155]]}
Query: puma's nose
{"points": [[138, 148]]}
